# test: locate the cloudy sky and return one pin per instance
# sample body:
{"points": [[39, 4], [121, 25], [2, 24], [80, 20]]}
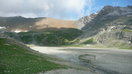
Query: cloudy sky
{"points": [[62, 9]]}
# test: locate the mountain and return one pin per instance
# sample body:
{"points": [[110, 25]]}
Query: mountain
{"points": [[111, 26], [39, 31], [21, 24]]}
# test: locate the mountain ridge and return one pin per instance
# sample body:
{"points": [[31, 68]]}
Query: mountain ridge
{"points": [[22, 24], [112, 26]]}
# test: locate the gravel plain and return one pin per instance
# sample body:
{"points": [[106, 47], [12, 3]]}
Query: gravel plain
{"points": [[96, 60]]}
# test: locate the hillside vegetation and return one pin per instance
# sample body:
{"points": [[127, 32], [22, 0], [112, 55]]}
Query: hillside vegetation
{"points": [[17, 59], [48, 37]]}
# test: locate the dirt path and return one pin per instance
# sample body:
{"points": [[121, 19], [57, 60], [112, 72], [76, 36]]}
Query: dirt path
{"points": [[100, 61]]}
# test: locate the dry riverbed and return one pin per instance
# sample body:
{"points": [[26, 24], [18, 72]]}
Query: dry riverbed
{"points": [[90, 60]]}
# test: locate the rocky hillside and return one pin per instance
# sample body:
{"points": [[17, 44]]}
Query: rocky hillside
{"points": [[112, 26], [21, 24]]}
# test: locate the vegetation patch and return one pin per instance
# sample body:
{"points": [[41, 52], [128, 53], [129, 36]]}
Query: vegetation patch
{"points": [[120, 45], [126, 30], [89, 41]]}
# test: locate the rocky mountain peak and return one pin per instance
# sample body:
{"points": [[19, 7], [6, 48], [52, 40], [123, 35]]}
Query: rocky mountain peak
{"points": [[107, 12], [115, 11], [108, 7]]}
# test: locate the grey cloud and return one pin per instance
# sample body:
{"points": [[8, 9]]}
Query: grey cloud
{"points": [[64, 9]]}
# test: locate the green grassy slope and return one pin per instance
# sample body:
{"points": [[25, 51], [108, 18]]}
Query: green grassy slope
{"points": [[15, 59]]}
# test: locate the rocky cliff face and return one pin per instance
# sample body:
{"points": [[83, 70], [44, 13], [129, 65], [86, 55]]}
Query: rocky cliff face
{"points": [[84, 20], [112, 25]]}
